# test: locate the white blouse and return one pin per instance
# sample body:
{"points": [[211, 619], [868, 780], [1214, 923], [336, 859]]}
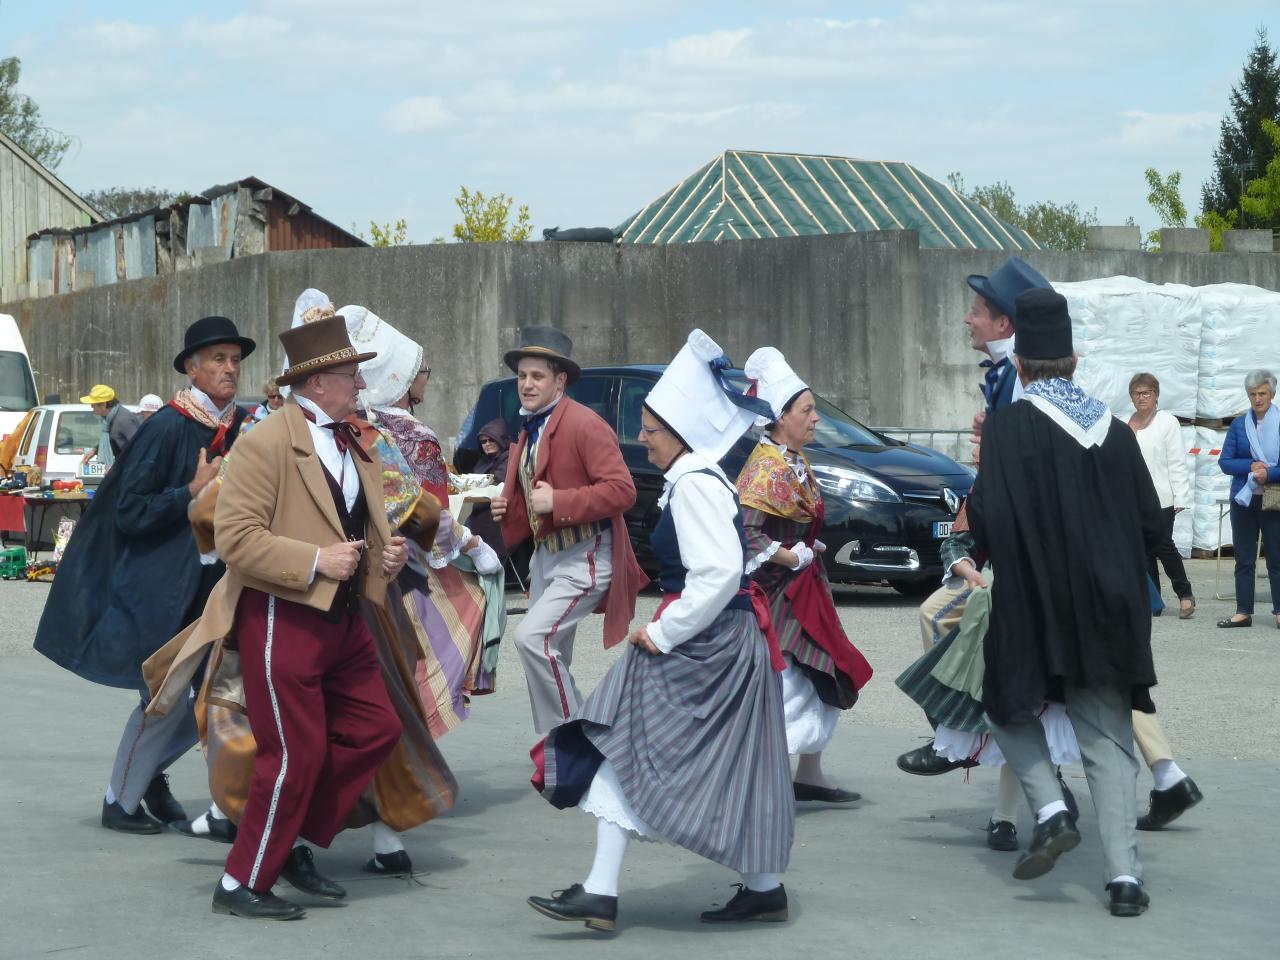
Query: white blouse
{"points": [[1162, 449]]}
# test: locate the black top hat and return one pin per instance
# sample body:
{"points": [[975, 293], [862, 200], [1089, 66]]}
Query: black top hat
{"points": [[207, 331], [1001, 289], [545, 343], [1044, 326]]}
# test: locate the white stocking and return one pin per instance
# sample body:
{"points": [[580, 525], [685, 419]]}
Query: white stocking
{"points": [[611, 847]]}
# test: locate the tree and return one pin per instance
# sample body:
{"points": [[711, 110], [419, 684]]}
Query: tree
{"points": [[1244, 149], [487, 219], [1166, 199], [1261, 200], [1057, 226], [387, 234], [20, 119], [122, 201]]}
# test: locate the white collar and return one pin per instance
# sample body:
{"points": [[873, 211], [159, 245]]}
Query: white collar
{"points": [[691, 462], [321, 417], [532, 413], [1000, 350], [207, 402]]}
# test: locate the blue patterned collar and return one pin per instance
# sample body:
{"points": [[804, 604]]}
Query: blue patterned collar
{"points": [[1075, 404]]}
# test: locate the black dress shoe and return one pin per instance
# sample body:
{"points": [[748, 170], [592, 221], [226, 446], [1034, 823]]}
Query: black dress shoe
{"points": [[160, 802], [1127, 899], [769, 907], [807, 791], [924, 762], [114, 818], [1229, 623], [300, 870], [220, 829], [596, 911], [243, 902], [1168, 805], [1069, 798], [395, 864], [1050, 840], [1002, 835]]}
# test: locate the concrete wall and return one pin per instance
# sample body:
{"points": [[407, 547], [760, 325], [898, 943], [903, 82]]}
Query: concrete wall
{"points": [[870, 319]]}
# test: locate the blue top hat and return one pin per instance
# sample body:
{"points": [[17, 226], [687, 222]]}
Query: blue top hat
{"points": [[1002, 288]]}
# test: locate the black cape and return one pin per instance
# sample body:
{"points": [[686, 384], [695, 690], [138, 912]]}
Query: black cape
{"points": [[131, 576], [1066, 529]]}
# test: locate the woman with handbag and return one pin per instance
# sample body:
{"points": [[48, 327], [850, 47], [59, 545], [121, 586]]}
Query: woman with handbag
{"points": [[1251, 457]]}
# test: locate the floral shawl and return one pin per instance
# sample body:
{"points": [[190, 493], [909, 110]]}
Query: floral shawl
{"points": [[767, 483]]}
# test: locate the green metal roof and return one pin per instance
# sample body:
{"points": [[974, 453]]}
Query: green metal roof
{"points": [[746, 194]]}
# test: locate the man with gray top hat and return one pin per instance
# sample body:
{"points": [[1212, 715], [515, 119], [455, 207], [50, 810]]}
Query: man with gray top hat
{"points": [[567, 486], [1065, 509]]}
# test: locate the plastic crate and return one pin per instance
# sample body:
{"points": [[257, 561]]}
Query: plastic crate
{"points": [[13, 564]]}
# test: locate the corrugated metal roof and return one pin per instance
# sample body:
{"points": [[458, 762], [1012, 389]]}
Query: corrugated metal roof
{"points": [[746, 194]]}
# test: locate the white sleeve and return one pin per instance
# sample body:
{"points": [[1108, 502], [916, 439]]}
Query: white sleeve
{"points": [[703, 510], [1176, 458]]}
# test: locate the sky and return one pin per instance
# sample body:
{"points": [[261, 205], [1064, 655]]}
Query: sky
{"points": [[588, 109]]}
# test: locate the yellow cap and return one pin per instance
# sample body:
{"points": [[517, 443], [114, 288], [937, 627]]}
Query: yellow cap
{"points": [[100, 393]]}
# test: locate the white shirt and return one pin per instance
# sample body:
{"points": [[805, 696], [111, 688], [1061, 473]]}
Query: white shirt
{"points": [[1161, 444], [340, 465], [703, 510], [1003, 350]]}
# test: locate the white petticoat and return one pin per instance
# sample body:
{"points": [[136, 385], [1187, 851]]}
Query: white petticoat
{"points": [[604, 799], [1063, 749], [810, 722]]}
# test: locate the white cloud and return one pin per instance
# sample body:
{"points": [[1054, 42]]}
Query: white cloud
{"points": [[121, 36], [417, 115], [1143, 129]]}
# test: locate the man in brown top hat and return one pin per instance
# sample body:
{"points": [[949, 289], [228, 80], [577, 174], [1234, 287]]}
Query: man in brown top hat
{"points": [[301, 526], [567, 486]]}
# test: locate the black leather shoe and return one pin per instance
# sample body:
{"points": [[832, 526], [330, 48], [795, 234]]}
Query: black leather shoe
{"points": [[1168, 805], [395, 864], [1002, 835], [924, 762], [807, 791], [1069, 798], [769, 907], [300, 871], [221, 830], [1128, 899], [1050, 840], [114, 818], [160, 802], [596, 911], [1229, 624], [243, 902]]}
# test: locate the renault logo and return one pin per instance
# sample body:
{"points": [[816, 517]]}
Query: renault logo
{"points": [[951, 499]]}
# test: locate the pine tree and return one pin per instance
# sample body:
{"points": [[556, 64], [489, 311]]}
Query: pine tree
{"points": [[1244, 149]]}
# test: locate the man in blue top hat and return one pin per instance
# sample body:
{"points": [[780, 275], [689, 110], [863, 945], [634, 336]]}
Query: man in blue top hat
{"points": [[132, 576]]}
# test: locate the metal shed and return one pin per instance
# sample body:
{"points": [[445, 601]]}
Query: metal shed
{"points": [[747, 194]]}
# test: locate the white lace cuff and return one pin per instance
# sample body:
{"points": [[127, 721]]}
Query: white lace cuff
{"points": [[761, 558]]}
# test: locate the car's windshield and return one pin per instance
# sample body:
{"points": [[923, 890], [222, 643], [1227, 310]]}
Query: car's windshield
{"points": [[16, 389], [835, 428]]}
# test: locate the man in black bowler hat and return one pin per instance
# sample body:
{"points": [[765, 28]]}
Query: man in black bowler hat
{"points": [[1065, 510], [132, 576]]}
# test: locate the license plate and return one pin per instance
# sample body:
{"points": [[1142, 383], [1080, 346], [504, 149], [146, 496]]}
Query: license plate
{"points": [[96, 469], [942, 528]]}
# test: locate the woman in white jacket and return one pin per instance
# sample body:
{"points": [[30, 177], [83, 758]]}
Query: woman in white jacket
{"points": [[1160, 438]]}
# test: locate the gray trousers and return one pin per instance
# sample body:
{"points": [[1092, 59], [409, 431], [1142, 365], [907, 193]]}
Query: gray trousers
{"points": [[1103, 723], [564, 588], [147, 747]]}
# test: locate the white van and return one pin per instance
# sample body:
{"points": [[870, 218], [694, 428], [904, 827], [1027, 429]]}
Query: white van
{"points": [[17, 384]]}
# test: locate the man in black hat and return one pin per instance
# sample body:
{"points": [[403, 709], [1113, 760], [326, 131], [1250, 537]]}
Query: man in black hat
{"points": [[1064, 508], [132, 576]]}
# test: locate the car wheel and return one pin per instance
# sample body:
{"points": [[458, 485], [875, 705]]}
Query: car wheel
{"points": [[914, 588]]}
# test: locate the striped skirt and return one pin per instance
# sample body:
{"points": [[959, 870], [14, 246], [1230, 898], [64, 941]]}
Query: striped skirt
{"points": [[696, 743]]}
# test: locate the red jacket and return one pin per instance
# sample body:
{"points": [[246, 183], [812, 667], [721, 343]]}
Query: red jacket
{"points": [[578, 455]]}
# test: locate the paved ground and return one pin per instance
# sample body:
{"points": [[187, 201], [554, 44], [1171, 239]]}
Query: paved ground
{"points": [[905, 873]]}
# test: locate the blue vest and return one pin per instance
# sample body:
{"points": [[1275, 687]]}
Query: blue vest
{"points": [[666, 548]]}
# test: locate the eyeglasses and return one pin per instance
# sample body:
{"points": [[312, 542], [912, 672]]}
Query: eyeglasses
{"points": [[1142, 394], [650, 431], [338, 373], [273, 396], [425, 372]]}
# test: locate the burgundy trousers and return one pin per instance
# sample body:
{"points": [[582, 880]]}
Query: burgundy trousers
{"points": [[322, 722]]}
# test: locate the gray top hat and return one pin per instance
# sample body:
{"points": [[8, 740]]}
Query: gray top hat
{"points": [[545, 343]]}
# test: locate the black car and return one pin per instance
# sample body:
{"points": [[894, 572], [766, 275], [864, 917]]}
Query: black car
{"points": [[889, 504]]}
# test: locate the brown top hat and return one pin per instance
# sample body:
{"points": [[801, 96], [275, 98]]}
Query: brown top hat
{"points": [[545, 343], [316, 347]]}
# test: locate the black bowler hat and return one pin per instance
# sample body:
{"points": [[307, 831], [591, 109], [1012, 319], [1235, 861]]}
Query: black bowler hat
{"points": [[1044, 326], [207, 331], [1001, 289]]}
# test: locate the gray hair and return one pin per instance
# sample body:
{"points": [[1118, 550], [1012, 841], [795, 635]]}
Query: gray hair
{"points": [[1259, 377]]}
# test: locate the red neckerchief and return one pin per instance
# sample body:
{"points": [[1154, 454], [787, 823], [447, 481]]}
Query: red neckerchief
{"points": [[217, 446], [345, 434]]}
